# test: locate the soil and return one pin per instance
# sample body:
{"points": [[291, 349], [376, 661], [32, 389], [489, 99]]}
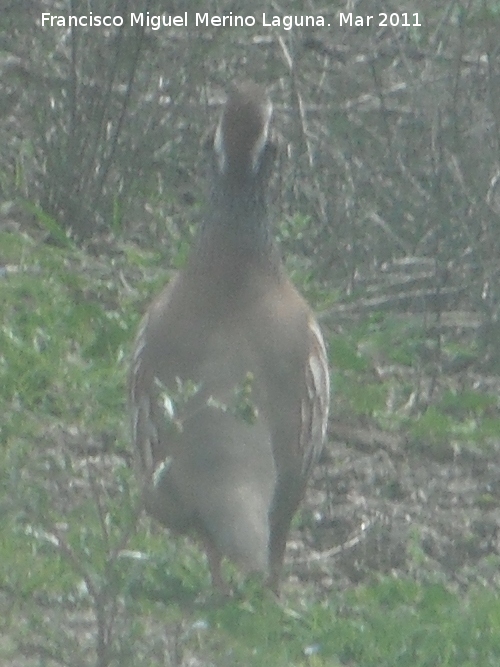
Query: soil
{"points": [[378, 509]]}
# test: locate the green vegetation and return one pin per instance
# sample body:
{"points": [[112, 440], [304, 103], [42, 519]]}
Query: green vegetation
{"points": [[84, 582]]}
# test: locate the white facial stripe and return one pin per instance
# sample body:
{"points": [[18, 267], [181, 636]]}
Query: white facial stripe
{"points": [[261, 142], [219, 148]]}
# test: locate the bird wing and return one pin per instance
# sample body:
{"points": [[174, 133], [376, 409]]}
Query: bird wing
{"points": [[316, 400], [146, 399]]}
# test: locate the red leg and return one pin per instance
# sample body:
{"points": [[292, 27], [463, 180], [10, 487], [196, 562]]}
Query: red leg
{"points": [[214, 565]]}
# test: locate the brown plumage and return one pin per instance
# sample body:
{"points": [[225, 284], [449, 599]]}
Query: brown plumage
{"points": [[229, 464]]}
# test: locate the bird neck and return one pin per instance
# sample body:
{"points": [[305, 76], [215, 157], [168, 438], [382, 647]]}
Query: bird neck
{"points": [[237, 230]]}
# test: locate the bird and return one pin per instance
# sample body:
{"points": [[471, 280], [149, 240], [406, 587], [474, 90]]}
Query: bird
{"points": [[229, 387]]}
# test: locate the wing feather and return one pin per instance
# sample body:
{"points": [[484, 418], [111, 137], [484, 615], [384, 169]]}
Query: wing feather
{"points": [[316, 400]]}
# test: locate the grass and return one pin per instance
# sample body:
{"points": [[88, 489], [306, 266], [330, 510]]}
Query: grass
{"points": [[83, 582]]}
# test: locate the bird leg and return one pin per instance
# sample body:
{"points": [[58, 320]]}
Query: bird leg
{"points": [[214, 565]]}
